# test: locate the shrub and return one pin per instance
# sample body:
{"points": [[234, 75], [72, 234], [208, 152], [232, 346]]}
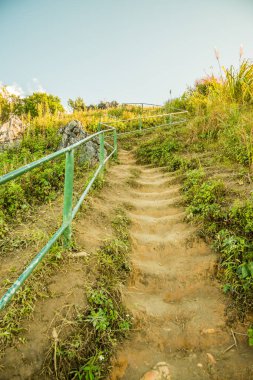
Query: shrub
{"points": [[158, 150], [12, 198], [241, 217]]}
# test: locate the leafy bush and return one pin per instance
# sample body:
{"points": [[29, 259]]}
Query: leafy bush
{"points": [[158, 150], [39, 104], [193, 179], [12, 198], [236, 264], [204, 199], [241, 217]]}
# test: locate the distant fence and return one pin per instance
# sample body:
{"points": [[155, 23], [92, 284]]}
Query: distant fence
{"points": [[146, 122]]}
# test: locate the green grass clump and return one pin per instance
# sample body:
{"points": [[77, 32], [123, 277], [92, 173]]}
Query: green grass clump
{"points": [[230, 227], [157, 150], [205, 198]]}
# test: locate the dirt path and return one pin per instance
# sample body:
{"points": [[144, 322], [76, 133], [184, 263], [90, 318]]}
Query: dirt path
{"points": [[173, 293]]}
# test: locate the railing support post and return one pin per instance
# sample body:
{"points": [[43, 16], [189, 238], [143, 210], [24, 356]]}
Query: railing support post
{"points": [[140, 123], [101, 151], [68, 195], [115, 143]]}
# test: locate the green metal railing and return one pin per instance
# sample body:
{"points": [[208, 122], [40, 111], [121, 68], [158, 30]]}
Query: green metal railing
{"points": [[141, 121], [68, 211]]}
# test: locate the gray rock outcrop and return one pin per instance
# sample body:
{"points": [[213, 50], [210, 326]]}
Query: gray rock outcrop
{"points": [[72, 133], [11, 132]]}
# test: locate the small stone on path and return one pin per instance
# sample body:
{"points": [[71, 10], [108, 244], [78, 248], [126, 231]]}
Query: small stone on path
{"points": [[159, 372], [211, 358]]}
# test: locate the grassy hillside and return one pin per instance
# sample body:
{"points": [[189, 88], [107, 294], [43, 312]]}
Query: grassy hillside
{"points": [[214, 153], [19, 197]]}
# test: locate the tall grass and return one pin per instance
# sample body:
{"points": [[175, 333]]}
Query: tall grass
{"points": [[238, 85]]}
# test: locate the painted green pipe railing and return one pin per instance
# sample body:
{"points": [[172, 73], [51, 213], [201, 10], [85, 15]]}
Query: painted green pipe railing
{"points": [[68, 211], [141, 119]]}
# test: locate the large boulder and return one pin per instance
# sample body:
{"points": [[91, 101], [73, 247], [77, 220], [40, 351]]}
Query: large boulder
{"points": [[11, 132], [74, 132]]}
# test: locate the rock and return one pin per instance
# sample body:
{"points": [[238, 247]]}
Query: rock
{"points": [[80, 254], [160, 371], [11, 132], [211, 358], [72, 133], [151, 375], [208, 331]]}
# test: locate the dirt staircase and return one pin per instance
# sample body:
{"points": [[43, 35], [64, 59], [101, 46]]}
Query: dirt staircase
{"points": [[177, 304], [173, 295]]}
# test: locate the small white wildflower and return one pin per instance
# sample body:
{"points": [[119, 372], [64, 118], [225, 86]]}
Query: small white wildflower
{"points": [[101, 358]]}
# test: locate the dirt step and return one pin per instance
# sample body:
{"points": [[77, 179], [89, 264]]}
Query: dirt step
{"points": [[162, 195], [182, 365], [171, 305], [150, 220], [161, 227], [158, 204], [173, 235], [196, 269], [178, 306], [155, 213], [155, 183]]}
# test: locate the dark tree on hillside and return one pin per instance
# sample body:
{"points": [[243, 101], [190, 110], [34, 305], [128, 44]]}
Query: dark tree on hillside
{"points": [[114, 104], [91, 107], [102, 105]]}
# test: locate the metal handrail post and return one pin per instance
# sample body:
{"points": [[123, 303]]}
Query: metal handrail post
{"points": [[140, 123], [102, 151], [115, 143], [68, 196]]}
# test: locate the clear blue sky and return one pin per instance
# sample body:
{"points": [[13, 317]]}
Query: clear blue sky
{"points": [[128, 50]]}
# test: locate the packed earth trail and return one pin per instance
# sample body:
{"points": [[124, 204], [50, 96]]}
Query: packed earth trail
{"points": [[179, 329], [179, 308]]}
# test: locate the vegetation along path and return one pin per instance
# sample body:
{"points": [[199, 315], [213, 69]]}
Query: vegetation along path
{"points": [[180, 331], [176, 302]]}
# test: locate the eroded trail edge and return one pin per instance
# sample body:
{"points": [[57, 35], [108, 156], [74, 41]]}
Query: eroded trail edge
{"points": [[173, 295]]}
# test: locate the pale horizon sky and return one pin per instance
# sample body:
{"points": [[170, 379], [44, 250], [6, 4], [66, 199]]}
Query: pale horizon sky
{"points": [[127, 50]]}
